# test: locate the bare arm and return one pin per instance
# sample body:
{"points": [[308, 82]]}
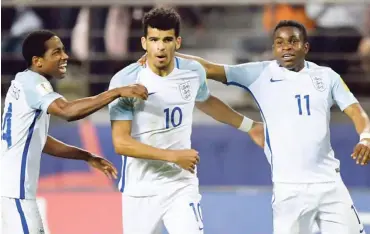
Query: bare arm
{"points": [[359, 118], [61, 150], [124, 144], [214, 71], [361, 121], [223, 113], [80, 108]]}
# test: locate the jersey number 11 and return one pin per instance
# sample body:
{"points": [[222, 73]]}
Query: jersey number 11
{"points": [[307, 98]]}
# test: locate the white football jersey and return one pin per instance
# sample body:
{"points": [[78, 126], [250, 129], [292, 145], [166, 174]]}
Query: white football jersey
{"points": [[295, 107], [24, 130], [164, 121]]}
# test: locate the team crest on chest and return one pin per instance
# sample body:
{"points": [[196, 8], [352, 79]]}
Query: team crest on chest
{"points": [[185, 90], [318, 83]]}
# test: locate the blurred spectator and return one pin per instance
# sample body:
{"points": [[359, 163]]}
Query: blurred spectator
{"points": [[273, 13], [25, 21], [338, 31]]}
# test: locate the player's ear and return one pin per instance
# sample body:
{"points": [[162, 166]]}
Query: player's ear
{"points": [[37, 61], [306, 47], [178, 43], [143, 43]]}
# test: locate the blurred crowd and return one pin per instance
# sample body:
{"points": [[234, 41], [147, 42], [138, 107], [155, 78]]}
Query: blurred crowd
{"points": [[339, 34]]}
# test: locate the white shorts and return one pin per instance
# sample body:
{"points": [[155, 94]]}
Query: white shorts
{"points": [[179, 211], [20, 216], [298, 207]]}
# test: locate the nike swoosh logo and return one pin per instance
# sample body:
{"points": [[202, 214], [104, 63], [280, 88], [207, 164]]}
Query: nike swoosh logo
{"points": [[151, 93], [275, 80], [362, 230]]}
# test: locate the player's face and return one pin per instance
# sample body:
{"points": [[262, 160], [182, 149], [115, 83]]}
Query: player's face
{"points": [[289, 47], [160, 46], [54, 61]]}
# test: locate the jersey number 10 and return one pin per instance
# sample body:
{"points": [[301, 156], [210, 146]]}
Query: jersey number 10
{"points": [[170, 117], [6, 133], [307, 98]]}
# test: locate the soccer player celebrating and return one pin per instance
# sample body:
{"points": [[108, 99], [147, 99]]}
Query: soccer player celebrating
{"points": [[295, 97], [29, 103], [159, 182]]}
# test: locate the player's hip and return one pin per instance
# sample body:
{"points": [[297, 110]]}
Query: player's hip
{"points": [[20, 216], [333, 190], [156, 187]]}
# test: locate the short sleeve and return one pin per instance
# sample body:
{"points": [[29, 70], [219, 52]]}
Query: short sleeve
{"points": [[340, 91], [244, 74], [203, 91], [39, 94], [122, 108]]}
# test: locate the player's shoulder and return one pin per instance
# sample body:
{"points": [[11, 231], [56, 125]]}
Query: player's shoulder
{"points": [[188, 64], [29, 78], [322, 70], [127, 75]]}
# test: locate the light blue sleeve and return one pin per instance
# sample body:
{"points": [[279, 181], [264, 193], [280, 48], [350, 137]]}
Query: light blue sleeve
{"points": [[203, 91], [340, 91], [122, 108], [244, 74], [38, 92]]}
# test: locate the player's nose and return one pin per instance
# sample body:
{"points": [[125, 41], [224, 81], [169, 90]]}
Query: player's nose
{"points": [[65, 56]]}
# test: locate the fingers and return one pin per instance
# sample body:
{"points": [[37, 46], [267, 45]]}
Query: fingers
{"points": [[365, 156], [361, 154], [140, 91], [356, 151]]}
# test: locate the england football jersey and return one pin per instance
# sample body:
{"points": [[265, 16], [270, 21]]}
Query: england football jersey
{"points": [[24, 131], [164, 121], [295, 107]]}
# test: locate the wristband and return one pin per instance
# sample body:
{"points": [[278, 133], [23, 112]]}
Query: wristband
{"points": [[246, 124]]}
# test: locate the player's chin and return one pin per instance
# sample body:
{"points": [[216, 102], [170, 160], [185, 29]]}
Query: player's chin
{"points": [[60, 75]]}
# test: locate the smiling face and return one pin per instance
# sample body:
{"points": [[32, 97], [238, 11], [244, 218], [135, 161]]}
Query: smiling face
{"points": [[161, 46], [290, 47], [54, 61]]}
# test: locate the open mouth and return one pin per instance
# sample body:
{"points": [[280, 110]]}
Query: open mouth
{"points": [[288, 57], [161, 57], [63, 68]]}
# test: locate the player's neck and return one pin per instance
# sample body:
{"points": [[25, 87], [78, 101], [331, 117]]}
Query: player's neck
{"points": [[162, 72], [40, 72], [297, 68]]}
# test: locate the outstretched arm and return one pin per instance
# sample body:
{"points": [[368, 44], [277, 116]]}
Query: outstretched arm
{"points": [[214, 71], [59, 149], [223, 113], [80, 108]]}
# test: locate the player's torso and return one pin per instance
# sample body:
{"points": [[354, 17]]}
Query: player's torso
{"points": [[296, 109], [23, 136], [164, 121]]}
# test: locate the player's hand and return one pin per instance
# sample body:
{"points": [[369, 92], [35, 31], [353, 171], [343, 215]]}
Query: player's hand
{"points": [[257, 134], [361, 152], [135, 90], [187, 159], [142, 60], [103, 165]]}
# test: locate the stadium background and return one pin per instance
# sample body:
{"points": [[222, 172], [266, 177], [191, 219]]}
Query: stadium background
{"points": [[103, 37]]}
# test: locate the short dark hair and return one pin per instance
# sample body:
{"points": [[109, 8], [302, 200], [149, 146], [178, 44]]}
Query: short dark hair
{"points": [[34, 44], [292, 23], [162, 19]]}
